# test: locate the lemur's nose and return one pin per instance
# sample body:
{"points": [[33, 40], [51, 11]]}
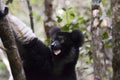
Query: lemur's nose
{"points": [[55, 45]]}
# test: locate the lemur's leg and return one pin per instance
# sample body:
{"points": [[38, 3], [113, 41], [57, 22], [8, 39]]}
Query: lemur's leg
{"points": [[22, 33]]}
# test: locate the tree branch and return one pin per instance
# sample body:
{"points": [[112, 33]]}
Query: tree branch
{"points": [[31, 15], [8, 40]]}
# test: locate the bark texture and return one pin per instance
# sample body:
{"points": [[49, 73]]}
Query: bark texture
{"points": [[96, 39], [116, 38], [49, 22], [8, 40]]}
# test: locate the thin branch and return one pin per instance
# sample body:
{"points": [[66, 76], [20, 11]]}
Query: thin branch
{"points": [[31, 15]]}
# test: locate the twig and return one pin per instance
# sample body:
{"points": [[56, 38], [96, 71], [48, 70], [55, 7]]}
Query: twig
{"points": [[30, 14]]}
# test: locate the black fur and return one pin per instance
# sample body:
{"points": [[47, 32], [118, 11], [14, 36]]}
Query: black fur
{"points": [[41, 63]]}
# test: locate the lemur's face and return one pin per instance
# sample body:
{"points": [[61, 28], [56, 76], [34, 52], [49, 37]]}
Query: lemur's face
{"points": [[60, 41]]}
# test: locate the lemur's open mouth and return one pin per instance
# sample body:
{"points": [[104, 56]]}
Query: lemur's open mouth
{"points": [[57, 52], [56, 47]]}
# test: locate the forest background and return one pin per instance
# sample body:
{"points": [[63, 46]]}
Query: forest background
{"points": [[70, 15]]}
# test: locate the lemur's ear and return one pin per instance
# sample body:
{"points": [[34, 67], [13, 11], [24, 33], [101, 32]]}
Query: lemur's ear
{"points": [[77, 38], [54, 30]]}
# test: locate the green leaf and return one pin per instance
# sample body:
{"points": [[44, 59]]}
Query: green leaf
{"points": [[59, 19], [72, 14], [107, 44], [89, 61], [81, 54], [105, 35], [65, 27], [81, 20], [88, 47], [64, 9], [74, 26]]}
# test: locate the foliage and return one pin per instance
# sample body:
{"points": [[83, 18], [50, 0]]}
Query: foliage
{"points": [[71, 19]]}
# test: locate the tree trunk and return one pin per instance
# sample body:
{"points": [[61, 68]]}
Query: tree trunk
{"points": [[49, 22], [116, 38], [96, 40], [8, 40]]}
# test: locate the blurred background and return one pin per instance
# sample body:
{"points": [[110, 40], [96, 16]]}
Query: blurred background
{"points": [[68, 15]]}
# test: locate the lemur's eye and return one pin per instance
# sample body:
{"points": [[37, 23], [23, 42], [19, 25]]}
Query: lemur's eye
{"points": [[61, 39]]}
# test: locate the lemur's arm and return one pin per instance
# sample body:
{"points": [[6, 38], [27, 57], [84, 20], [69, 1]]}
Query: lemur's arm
{"points": [[22, 33]]}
